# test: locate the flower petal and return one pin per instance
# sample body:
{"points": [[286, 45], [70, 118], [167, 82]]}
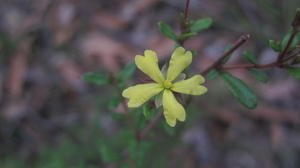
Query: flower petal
{"points": [[149, 65], [180, 59], [139, 94], [172, 109], [190, 86]]}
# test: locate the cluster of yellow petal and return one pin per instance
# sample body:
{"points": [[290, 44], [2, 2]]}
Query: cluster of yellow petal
{"points": [[148, 64]]}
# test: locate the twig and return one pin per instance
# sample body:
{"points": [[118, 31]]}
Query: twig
{"points": [[286, 48], [237, 44], [184, 24], [247, 66], [260, 66], [186, 11]]}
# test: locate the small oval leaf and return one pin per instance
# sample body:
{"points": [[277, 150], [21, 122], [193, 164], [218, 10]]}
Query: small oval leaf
{"points": [[286, 39], [240, 90], [294, 71], [201, 24], [250, 57], [98, 79], [166, 30], [127, 72], [212, 74], [275, 45]]}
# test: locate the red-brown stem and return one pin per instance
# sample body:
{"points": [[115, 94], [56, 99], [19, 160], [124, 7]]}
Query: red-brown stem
{"points": [[260, 66], [186, 11], [286, 48], [185, 22], [247, 66], [237, 44]]}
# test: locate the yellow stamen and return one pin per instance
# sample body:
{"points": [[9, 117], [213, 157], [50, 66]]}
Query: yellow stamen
{"points": [[167, 84]]}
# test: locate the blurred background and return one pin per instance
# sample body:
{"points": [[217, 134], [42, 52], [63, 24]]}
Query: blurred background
{"points": [[51, 118]]}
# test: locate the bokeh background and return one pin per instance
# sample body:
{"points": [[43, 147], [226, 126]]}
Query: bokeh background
{"points": [[50, 117]]}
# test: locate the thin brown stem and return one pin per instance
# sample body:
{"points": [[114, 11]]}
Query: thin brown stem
{"points": [[237, 44], [186, 11], [260, 66], [247, 66], [185, 22]]}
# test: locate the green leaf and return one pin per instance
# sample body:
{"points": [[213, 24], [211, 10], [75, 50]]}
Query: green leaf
{"points": [[276, 46], [201, 25], [139, 152], [187, 35], [294, 71], [240, 90], [167, 31], [147, 111], [259, 75], [194, 52], [114, 102], [117, 116], [212, 74], [94, 78], [170, 130], [107, 155], [127, 72], [286, 38], [250, 57]]}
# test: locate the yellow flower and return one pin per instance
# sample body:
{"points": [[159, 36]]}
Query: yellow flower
{"points": [[141, 93]]}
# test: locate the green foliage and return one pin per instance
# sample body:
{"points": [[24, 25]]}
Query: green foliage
{"points": [[201, 24], [294, 71], [250, 57], [259, 75], [114, 102], [212, 74], [138, 152], [139, 119], [11, 163], [194, 52], [285, 40], [187, 35], [275, 45], [167, 31], [98, 79], [117, 116], [7, 46], [240, 90], [127, 72], [107, 155], [148, 111], [169, 130]]}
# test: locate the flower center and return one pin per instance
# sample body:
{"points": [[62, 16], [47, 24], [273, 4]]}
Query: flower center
{"points": [[167, 84]]}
